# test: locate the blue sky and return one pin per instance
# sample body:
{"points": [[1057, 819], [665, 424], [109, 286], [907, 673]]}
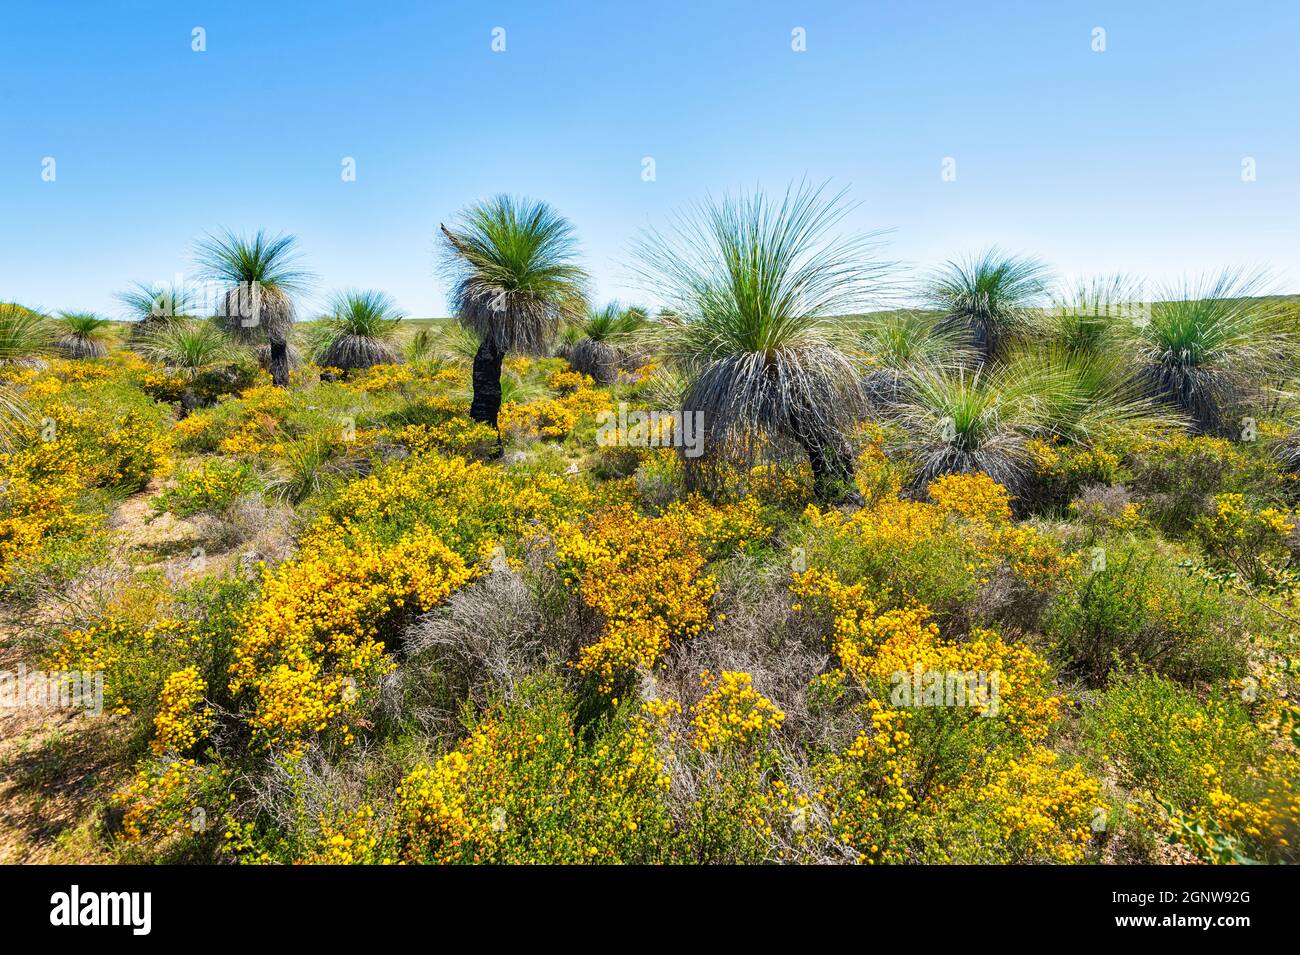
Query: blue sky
{"points": [[1125, 160]]}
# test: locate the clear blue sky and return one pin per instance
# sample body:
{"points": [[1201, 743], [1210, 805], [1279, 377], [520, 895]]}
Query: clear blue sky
{"points": [[1128, 160]]}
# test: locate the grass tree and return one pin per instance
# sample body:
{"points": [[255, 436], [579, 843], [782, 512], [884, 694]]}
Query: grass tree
{"points": [[25, 334], [513, 265], [81, 335], [566, 337], [991, 298], [189, 346], [606, 333], [261, 276], [1082, 397], [1089, 317], [897, 342], [1211, 343], [960, 422], [150, 306], [360, 331], [1288, 450], [756, 287]]}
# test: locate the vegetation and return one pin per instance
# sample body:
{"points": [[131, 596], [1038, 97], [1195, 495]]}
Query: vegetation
{"points": [[512, 262], [991, 298], [602, 348], [1209, 345], [361, 328], [25, 335], [81, 335], [963, 585], [261, 275], [188, 347], [150, 306], [755, 286]]}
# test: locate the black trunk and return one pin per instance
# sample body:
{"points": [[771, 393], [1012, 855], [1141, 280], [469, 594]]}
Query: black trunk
{"points": [[280, 363], [487, 384], [832, 468]]}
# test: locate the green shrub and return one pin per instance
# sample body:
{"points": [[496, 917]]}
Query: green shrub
{"points": [[1139, 604], [210, 487], [1179, 476], [1197, 765]]}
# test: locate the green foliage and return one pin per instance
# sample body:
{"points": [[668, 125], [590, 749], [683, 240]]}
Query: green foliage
{"points": [[1178, 477], [992, 298], [1196, 767], [961, 422], [24, 334], [210, 487], [1140, 605], [359, 331], [270, 261], [188, 347], [1211, 344], [514, 269], [755, 286], [145, 304]]}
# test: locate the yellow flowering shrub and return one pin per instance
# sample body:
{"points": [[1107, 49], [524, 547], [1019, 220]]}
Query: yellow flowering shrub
{"points": [[1041, 810], [136, 644], [182, 719], [171, 803], [1253, 542], [353, 838], [732, 712], [552, 417], [1060, 470], [545, 418], [906, 784], [567, 380], [874, 645], [313, 641], [209, 487], [877, 477], [464, 502], [939, 553], [644, 577], [976, 497], [35, 510], [525, 788], [457, 434], [1031, 555], [1208, 761], [126, 453], [381, 378], [162, 385], [1179, 473]]}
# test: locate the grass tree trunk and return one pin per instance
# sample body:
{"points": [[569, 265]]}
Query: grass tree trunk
{"points": [[487, 383], [832, 468], [280, 363]]}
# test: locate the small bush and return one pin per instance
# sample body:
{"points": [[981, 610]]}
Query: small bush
{"points": [[1140, 605], [1190, 763], [211, 487]]}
